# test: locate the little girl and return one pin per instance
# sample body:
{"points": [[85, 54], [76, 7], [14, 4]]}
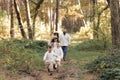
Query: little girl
{"points": [[58, 54], [49, 59], [54, 42]]}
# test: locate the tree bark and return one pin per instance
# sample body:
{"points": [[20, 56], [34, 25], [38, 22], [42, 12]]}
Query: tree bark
{"points": [[35, 15], [57, 14], [12, 19], [19, 20], [115, 23], [28, 16], [94, 2], [98, 20], [51, 18], [81, 12]]}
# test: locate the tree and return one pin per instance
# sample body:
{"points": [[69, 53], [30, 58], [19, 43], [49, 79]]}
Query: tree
{"points": [[57, 14], [28, 17], [95, 33], [97, 26], [115, 22], [36, 13], [19, 20], [51, 16], [12, 19]]}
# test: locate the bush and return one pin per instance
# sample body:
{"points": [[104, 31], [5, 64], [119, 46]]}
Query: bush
{"points": [[93, 45], [108, 67], [22, 54], [38, 45]]}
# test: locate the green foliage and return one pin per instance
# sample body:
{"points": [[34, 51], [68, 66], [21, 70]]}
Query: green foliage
{"points": [[38, 45], [2, 13], [93, 44], [108, 67], [22, 54], [1, 78], [3, 25]]}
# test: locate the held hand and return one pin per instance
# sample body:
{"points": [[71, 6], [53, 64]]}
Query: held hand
{"points": [[68, 46]]}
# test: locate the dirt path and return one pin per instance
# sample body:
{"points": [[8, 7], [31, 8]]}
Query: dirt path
{"points": [[68, 71]]}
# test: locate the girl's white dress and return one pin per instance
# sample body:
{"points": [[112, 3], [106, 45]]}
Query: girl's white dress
{"points": [[58, 53]]}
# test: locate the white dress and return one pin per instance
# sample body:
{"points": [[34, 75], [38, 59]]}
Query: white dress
{"points": [[58, 53], [55, 44], [49, 57]]}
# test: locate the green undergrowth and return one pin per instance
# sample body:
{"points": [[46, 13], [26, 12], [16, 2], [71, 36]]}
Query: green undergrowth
{"points": [[100, 59], [83, 57], [28, 55], [22, 54], [107, 67], [93, 45], [80, 58]]}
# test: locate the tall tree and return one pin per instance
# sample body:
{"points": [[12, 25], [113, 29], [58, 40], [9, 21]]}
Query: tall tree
{"points": [[57, 14], [35, 14], [95, 33], [12, 19], [81, 12], [115, 22], [19, 20], [98, 19], [51, 15], [28, 16]]}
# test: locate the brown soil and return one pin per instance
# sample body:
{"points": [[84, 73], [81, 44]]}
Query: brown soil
{"points": [[68, 71]]}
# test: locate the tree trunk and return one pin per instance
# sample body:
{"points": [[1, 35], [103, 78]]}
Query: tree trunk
{"points": [[57, 14], [30, 34], [115, 23], [81, 12], [12, 19], [51, 18], [98, 20], [35, 15], [19, 20], [94, 21]]}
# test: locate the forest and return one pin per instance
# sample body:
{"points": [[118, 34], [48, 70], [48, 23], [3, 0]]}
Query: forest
{"points": [[28, 26]]}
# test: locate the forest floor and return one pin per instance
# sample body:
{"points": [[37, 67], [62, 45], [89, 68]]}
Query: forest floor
{"points": [[71, 69], [68, 71]]}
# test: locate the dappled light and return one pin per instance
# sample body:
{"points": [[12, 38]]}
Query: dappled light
{"points": [[59, 39]]}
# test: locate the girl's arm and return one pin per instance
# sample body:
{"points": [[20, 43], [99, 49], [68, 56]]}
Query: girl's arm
{"points": [[45, 55], [61, 51]]}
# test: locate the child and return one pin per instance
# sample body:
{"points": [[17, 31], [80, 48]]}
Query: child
{"points": [[54, 42], [49, 59], [59, 54]]}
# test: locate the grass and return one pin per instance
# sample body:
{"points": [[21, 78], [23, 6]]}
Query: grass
{"points": [[107, 67], [83, 57], [15, 53], [33, 53]]}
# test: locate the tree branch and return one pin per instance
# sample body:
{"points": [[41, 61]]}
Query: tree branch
{"points": [[33, 2], [35, 14], [105, 8], [108, 1]]}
